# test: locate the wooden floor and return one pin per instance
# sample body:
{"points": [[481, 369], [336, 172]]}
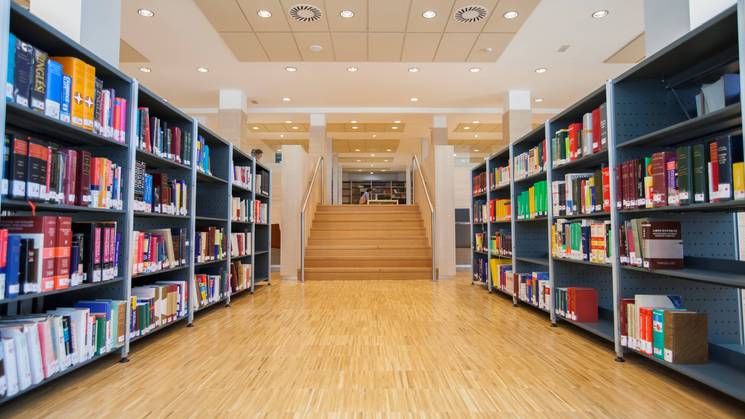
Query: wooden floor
{"points": [[373, 349]]}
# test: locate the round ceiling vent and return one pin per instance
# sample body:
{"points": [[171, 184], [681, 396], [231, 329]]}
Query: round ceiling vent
{"points": [[470, 14], [305, 13]]}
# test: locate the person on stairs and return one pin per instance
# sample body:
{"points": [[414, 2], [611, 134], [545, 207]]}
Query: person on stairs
{"points": [[365, 197]]}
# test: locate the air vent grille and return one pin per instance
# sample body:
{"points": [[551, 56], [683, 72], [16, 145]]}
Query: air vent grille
{"points": [[305, 13], [470, 14]]}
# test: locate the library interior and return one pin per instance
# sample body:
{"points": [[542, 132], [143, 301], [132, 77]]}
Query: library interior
{"points": [[372, 208]]}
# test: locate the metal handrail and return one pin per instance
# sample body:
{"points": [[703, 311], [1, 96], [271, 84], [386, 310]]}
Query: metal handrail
{"points": [[319, 166], [415, 166]]}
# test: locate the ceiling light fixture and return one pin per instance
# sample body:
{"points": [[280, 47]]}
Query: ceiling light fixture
{"points": [[475, 150], [264, 13], [488, 50], [288, 122], [281, 136], [316, 48], [511, 14], [429, 14], [255, 127], [397, 122], [394, 127], [291, 69], [375, 135], [475, 122], [541, 70], [475, 136], [354, 121], [145, 69], [599, 14], [203, 69], [455, 154], [474, 69], [346, 14], [388, 150], [286, 99], [466, 127], [358, 160], [372, 155], [538, 100], [414, 99], [295, 127], [355, 127], [413, 69], [372, 173], [359, 170], [145, 13], [352, 69], [356, 149]]}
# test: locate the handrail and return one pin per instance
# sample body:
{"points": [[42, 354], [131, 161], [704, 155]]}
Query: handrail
{"points": [[318, 167], [416, 166]]}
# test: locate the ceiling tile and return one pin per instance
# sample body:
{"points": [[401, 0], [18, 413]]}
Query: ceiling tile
{"points": [[419, 24], [276, 23], [420, 47], [306, 39], [280, 46], [245, 46], [388, 15], [335, 127], [385, 46], [224, 15], [320, 25], [497, 23], [277, 144], [496, 41], [357, 23], [633, 52], [350, 46], [455, 46], [128, 54], [455, 26]]}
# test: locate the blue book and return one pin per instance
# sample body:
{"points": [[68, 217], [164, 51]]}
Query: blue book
{"points": [[11, 67], [12, 286], [97, 306], [54, 89], [64, 112]]}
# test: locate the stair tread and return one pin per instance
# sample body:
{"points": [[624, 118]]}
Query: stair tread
{"points": [[370, 257], [354, 246], [369, 269]]}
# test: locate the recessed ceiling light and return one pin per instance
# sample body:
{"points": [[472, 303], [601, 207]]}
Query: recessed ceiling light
{"points": [[316, 48], [281, 136], [385, 161], [352, 69], [413, 69], [541, 70], [372, 165], [476, 150], [356, 149], [599, 14], [511, 14], [372, 173], [394, 127], [165, 100], [288, 122], [466, 127], [146, 13], [255, 127], [429, 14], [203, 69], [474, 69], [414, 99], [372, 155], [358, 160], [388, 150], [355, 127], [359, 170], [475, 136], [346, 14], [455, 154], [286, 99], [384, 170], [396, 122], [291, 68], [145, 69], [538, 100], [295, 127], [354, 121], [488, 50], [375, 135], [476, 122], [264, 13]]}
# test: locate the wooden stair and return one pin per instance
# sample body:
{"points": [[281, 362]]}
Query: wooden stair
{"points": [[356, 242]]}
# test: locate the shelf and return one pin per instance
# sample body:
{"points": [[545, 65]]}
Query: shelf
{"points": [[718, 121], [84, 286], [239, 257], [503, 291], [209, 262], [248, 223], [36, 122], [157, 162], [532, 220], [479, 224], [261, 224], [712, 271], [261, 279], [602, 328], [481, 252], [157, 329], [162, 271], [159, 215], [574, 216], [536, 176], [240, 291], [535, 306], [536, 261], [261, 252], [583, 262], [207, 178], [585, 162], [479, 195], [240, 188], [200, 308], [211, 219], [262, 195], [496, 256], [501, 222], [14, 204], [725, 206], [500, 188]]}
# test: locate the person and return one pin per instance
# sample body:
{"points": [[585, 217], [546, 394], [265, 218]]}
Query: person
{"points": [[365, 197], [257, 153]]}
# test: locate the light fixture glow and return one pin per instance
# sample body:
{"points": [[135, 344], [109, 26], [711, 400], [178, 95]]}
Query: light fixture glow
{"points": [[352, 69], [475, 122], [413, 69], [203, 69], [375, 135], [145, 13], [538, 100], [356, 149], [254, 127], [394, 127], [397, 122], [291, 69], [286, 99], [295, 127], [476, 150], [281, 136], [355, 127], [474, 69], [466, 128], [388, 150], [475, 136], [264, 13], [414, 99], [145, 69], [358, 160], [429, 14], [372, 173], [511, 14], [288, 122], [346, 14], [599, 14], [455, 154], [541, 70], [354, 121], [372, 155]]}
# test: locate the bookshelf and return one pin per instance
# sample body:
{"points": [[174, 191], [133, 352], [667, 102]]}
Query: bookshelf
{"points": [[245, 192], [480, 226], [380, 189], [262, 228], [208, 202]]}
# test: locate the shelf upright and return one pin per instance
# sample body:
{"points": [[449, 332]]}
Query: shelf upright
{"points": [[4, 29], [239, 158], [478, 198], [496, 160], [262, 232]]}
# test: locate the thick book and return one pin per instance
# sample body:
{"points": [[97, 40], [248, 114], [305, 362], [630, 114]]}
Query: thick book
{"points": [[10, 69], [662, 244], [65, 98], [729, 150], [685, 174], [53, 100], [18, 168], [76, 70], [39, 81], [700, 173], [23, 74], [43, 229], [686, 337]]}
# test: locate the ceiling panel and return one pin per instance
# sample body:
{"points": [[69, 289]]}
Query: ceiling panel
{"points": [[280, 46], [128, 54], [466, 128], [277, 144], [455, 26], [496, 41], [420, 47], [224, 15], [633, 52], [276, 23], [366, 127], [350, 46], [385, 46], [244, 45], [320, 25], [357, 23], [419, 24], [259, 127], [365, 160], [306, 39], [455, 46], [388, 15], [497, 22]]}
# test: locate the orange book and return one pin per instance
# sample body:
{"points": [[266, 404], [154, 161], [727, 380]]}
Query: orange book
{"points": [[89, 93], [76, 69]]}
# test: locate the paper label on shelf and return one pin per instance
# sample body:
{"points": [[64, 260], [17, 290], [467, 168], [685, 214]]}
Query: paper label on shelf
{"points": [[624, 341], [668, 355], [682, 196], [699, 197]]}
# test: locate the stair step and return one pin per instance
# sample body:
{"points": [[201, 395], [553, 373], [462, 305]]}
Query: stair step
{"points": [[357, 273], [370, 250], [367, 225], [367, 261], [367, 241], [334, 217], [334, 233]]}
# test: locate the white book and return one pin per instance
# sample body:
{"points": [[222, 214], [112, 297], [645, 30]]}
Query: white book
{"points": [[33, 344], [58, 341], [10, 364], [23, 367]]}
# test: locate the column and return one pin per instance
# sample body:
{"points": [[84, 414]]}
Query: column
{"points": [[517, 118], [320, 145], [231, 118], [95, 24], [444, 203], [293, 166], [667, 20], [439, 130]]}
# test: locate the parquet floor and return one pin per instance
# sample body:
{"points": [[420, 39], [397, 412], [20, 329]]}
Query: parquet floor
{"points": [[373, 349]]}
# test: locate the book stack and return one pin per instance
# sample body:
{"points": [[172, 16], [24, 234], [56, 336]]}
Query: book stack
{"points": [[501, 243], [577, 304], [532, 203], [240, 244], [531, 162], [533, 288], [64, 88], [157, 305], [501, 274], [203, 156], [240, 276], [260, 212], [480, 212], [585, 240], [262, 183], [500, 176], [658, 326], [651, 243], [157, 193], [159, 249], [712, 171], [155, 136], [41, 171], [209, 289], [209, 244], [479, 184], [581, 193], [581, 139], [479, 242], [242, 176], [240, 209], [480, 266], [500, 210]]}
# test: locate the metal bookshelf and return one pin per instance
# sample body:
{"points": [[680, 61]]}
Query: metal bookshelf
{"points": [[478, 198], [261, 258]]}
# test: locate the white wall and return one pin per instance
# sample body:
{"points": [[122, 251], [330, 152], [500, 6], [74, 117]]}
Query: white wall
{"points": [[703, 10], [294, 162], [462, 186]]}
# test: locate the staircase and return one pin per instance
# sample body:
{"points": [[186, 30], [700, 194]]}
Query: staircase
{"points": [[367, 242]]}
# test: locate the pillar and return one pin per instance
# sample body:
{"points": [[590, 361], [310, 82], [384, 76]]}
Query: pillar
{"points": [[517, 118], [444, 203], [320, 145], [439, 130], [95, 24], [667, 20], [293, 166], [231, 118]]}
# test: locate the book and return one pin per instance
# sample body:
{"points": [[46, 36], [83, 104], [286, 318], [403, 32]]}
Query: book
{"points": [[38, 94], [11, 67], [700, 174], [729, 150], [23, 73], [66, 98], [43, 230], [53, 99], [684, 175], [662, 245], [738, 180], [685, 337], [76, 70]]}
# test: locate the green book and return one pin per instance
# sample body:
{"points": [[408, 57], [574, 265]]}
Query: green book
{"points": [[658, 333], [700, 184], [685, 179], [100, 334]]}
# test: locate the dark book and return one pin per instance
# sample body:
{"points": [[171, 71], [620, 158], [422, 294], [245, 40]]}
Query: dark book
{"points": [[19, 172], [700, 174], [13, 261], [662, 244], [92, 251], [685, 175], [82, 189], [686, 337], [603, 126], [98, 106], [713, 170], [39, 84], [729, 151], [38, 158], [23, 74]]}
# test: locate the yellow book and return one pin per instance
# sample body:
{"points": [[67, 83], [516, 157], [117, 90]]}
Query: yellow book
{"points": [[89, 92], [531, 196], [738, 180], [76, 69]]}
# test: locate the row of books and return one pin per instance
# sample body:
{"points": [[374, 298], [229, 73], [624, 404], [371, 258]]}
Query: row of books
{"points": [[209, 244], [501, 275], [533, 202], [34, 347], [581, 139], [159, 249], [585, 240], [158, 193], [500, 210], [64, 88], [479, 183], [531, 162], [241, 209], [499, 176], [581, 193], [240, 276], [203, 156], [157, 137], [242, 176], [45, 253], [658, 326], [261, 182], [651, 243], [714, 96], [480, 212], [479, 242], [41, 171], [692, 174], [260, 213], [241, 244], [157, 305], [533, 288], [209, 289], [577, 304], [501, 243], [480, 269]]}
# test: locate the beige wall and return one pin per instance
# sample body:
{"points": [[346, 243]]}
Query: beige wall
{"points": [[462, 186], [294, 160]]}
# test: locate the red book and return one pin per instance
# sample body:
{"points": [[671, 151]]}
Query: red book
{"points": [[63, 250], [43, 229], [48, 179], [574, 141], [606, 188], [619, 186], [625, 171], [596, 130], [584, 304], [82, 188], [714, 172], [659, 180], [3, 250]]}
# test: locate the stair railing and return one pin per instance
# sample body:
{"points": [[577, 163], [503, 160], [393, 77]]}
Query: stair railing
{"points": [[304, 210], [416, 167]]}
